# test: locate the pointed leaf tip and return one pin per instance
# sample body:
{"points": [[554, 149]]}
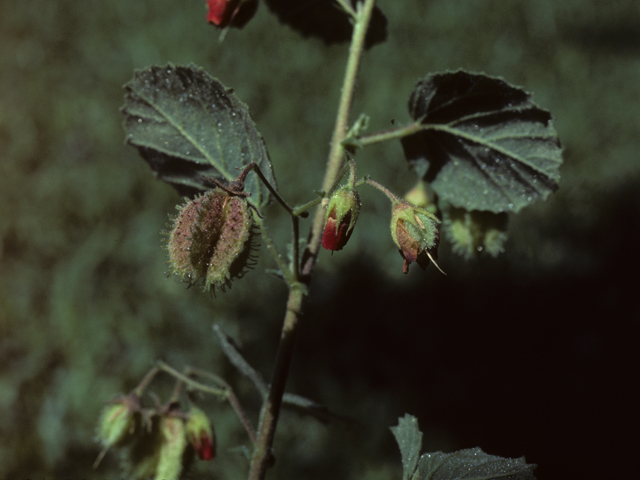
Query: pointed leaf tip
{"points": [[409, 438]]}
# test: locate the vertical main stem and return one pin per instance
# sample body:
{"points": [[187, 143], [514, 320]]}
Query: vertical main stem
{"points": [[336, 153], [271, 410]]}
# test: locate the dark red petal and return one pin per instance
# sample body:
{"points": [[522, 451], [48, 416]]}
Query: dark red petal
{"points": [[206, 451], [332, 240], [218, 11]]}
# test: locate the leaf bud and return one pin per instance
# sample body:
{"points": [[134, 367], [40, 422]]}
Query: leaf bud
{"points": [[211, 240], [341, 216], [415, 232], [200, 434]]}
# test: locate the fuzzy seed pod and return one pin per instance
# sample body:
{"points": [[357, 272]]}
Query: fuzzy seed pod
{"points": [[211, 240]]}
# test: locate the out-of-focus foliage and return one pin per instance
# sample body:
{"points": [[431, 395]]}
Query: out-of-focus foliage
{"points": [[85, 307]]}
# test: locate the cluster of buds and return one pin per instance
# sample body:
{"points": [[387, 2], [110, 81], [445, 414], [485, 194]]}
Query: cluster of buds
{"points": [[163, 444], [414, 229], [210, 242]]}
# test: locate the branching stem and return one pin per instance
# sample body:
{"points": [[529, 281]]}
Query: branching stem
{"points": [[271, 408], [393, 197], [226, 392]]}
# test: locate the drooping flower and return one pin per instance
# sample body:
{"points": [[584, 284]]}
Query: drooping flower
{"points": [[414, 230], [341, 216]]}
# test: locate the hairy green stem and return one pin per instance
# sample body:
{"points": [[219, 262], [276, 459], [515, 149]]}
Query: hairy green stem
{"points": [[271, 409], [393, 197], [305, 207]]}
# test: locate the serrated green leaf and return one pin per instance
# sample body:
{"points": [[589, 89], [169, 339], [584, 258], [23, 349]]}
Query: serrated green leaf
{"points": [[484, 145], [409, 438], [186, 124], [472, 464]]}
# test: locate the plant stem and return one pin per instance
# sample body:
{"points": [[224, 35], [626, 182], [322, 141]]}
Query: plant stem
{"points": [[139, 390], [336, 154], [271, 409], [391, 134], [226, 392], [273, 250], [393, 197], [303, 208]]}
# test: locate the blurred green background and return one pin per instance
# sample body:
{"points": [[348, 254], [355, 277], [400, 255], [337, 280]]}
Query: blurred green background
{"points": [[533, 353]]}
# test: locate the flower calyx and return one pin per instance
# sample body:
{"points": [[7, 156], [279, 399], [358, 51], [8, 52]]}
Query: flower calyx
{"points": [[414, 230], [200, 434], [342, 213], [119, 420]]}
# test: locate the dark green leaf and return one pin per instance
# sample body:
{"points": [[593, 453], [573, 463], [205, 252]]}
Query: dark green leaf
{"points": [[409, 438], [186, 124], [484, 145], [472, 464]]}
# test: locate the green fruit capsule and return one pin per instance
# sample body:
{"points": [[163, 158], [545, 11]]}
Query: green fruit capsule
{"points": [[211, 240]]}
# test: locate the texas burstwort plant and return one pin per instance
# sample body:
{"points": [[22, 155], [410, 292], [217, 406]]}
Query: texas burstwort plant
{"points": [[481, 150]]}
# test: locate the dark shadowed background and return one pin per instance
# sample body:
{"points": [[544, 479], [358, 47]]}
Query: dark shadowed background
{"points": [[533, 353]]}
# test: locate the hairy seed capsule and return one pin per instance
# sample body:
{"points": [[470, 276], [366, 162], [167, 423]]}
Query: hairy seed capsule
{"points": [[211, 239]]}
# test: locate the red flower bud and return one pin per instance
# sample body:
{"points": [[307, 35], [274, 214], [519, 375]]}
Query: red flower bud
{"points": [[342, 213], [221, 12]]}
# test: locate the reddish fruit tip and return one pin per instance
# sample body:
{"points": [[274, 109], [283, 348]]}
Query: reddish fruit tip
{"points": [[335, 237]]}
